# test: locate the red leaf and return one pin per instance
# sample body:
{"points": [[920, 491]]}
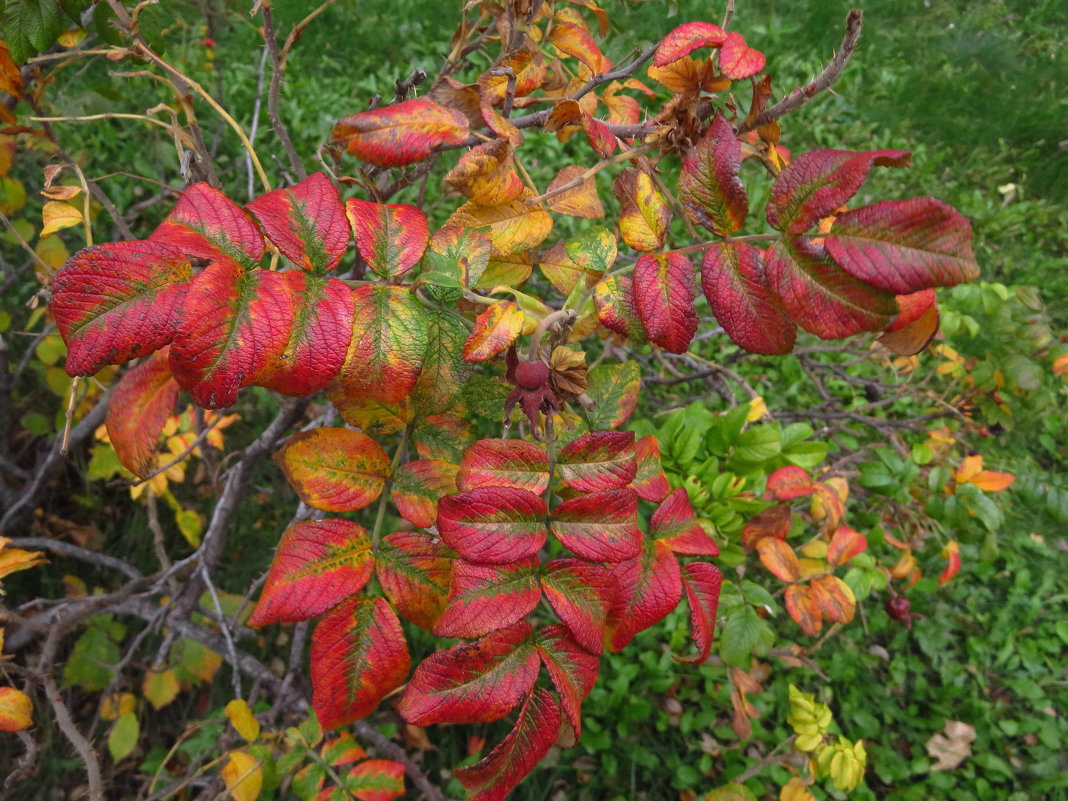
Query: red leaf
{"points": [[803, 606], [775, 521], [484, 598], [818, 182], [823, 298], [581, 593], [358, 657], [709, 187], [576, 40], [599, 135], [306, 222], [600, 460], [790, 482], [601, 526], [650, 482], [735, 283], [495, 776], [496, 330], [334, 469], [571, 667], [414, 570], [206, 224], [916, 325], [650, 586], [376, 780], [675, 524], [504, 463], [317, 565], [401, 134], [835, 598], [951, 553], [138, 408], [417, 486], [234, 327], [685, 39], [737, 59], [844, 545], [389, 343], [318, 339], [617, 310], [664, 295], [390, 237], [118, 301], [702, 582], [779, 558], [473, 683], [493, 525], [904, 246], [644, 214]]}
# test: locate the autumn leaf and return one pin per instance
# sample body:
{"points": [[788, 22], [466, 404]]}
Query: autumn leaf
{"points": [[709, 187], [504, 463], [57, 215], [790, 482], [915, 326], [664, 297], [779, 558], [493, 525], [687, 38], [835, 598], [650, 586], [242, 775], [598, 461], [844, 545], [803, 605], [951, 746], [241, 718], [206, 224], [650, 481], [391, 238], [579, 201], [675, 524], [334, 469], [581, 593], [138, 409], [414, 570], [617, 309], [306, 222], [600, 526], [16, 710], [486, 174], [514, 226], [376, 780], [951, 553], [400, 134], [572, 669], [702, 583], [644, 213], [737, 60], [483, 598], [496, 329], [418, 485]]}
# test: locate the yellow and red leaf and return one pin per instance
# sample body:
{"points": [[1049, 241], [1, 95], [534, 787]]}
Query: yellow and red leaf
{"points": [[334, 469], [650, 481], [685, 39], [598, 461], [835, 598], [404, 133], [418, 485], [601, 526], [496, 330], [844, 545], [581, 593], [789, 482], [484, 598], [138, 409], [206, 224], [951, 553], [493, 525], [675, 524], [571, 667], [504, 463], [779, 558], [414, 570], [737, 60], [644, 213], [709, 187], [803, 605], [391, 237]]}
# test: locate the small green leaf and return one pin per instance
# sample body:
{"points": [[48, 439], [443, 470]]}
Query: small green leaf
{"points": [[123, 737]]}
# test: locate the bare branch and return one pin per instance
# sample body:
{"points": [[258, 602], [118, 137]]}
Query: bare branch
{"points": [[277, 68]]}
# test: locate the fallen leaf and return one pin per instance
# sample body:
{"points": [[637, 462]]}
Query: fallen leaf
{"points": [[952, 745]]}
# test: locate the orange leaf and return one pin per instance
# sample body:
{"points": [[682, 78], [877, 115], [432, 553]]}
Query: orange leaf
{"points": [[16, 710], [512, 227], [804, 607], [970, 467], [496, 329], [402, 134], [989, 481], [775, 521], [779, 558], [1060, 365], [580, 201], [845, 544], [644, 216], [904, 565], [951, 553], [836, 599]]}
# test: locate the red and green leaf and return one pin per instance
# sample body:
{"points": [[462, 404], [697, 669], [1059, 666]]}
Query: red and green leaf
{"points": [[484, 598], [598, 461], [581, 593], [675, 524], [709, 187], [617, 310], [650, 586], [414, 570], [818, 182], [664, 297], [400, 134], [493, 525], [904, 246], [614, 389], [334, 469], [803, 606], [735, 283], [118, 301], [504, 463], [703, 583], [140, 405], [496, 330], [823, 298], [685, 39], [475, 682], [358, 657], [650, 481], [601, 526], [390, 237], [571, 667], [418, 485], [306, 222], [319, 337], [318, 564], [234, 327], [456, 258], [737, 60], [495, 776], [444, 368], [376, 780], [389, 343], [644, 213], [206, 224]]}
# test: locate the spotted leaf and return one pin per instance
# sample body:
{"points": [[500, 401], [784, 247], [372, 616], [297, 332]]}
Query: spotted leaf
{"points": [[318, 564], [496, 330], [358, 657], [644, 214], [400, 134], [334, 469], [118, 301], [206, 224]]}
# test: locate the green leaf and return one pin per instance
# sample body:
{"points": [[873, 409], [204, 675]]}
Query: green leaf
{"points": [[123, 737], [89, 664], [614, 390], [444, 368], [758, 444], [30, 27], [741, 633]]}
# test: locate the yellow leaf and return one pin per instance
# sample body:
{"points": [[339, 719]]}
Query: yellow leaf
{"points": [[58, 215], [16, 710], [795, 790], [160, 688], [117, 704], [241, 717], [15, 559], [71, 38], [243, 776], [970, 467], [757, 409]]}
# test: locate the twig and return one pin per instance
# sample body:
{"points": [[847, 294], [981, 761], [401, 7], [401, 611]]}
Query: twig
{"points": [[77, 552], [77, 739], [224, 626], [769, 759], [277, 68], [728, 15], [254, 127], [798, 97]]}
